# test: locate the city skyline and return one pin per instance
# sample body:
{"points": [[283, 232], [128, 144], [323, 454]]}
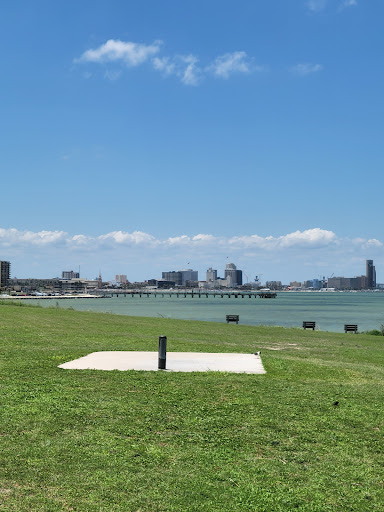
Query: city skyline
{"points": [[144, 135], [232, 277]]}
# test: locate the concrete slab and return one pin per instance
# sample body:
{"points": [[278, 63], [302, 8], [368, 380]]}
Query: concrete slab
{"points": [[176, 362]]}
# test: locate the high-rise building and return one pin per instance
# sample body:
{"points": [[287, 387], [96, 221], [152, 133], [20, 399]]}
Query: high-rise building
{"points": [[370, 274], [173, 276], [233, 276], [180, 277], [5, 273], [188, 275], [120, 278], [211, 275]]}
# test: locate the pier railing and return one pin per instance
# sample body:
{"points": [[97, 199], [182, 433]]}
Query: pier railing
{"points": [[190, 293]]}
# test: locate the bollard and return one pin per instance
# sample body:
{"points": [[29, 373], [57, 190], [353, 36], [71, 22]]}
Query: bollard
{"points": [[162, 352]]}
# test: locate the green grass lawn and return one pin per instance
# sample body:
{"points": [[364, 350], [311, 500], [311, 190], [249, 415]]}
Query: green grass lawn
{"points": [[88, 440]]}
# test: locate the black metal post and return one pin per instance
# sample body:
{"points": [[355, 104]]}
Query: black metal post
{"points": [[162, 352]]}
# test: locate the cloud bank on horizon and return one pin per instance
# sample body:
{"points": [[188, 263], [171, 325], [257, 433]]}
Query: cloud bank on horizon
{"points": [[312, 248]]}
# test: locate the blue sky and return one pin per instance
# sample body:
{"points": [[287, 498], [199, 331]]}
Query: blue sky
{"points": [[144, 136]]}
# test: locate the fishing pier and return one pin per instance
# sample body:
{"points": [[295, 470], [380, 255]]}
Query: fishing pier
{"points": [[192, 294]]}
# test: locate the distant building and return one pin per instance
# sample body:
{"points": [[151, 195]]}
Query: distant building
{"points": [[180, 277], [172, 276], [222, 283], [70, 274], [5, 273], [274, 285], [163, 283], [211, 276], [348, 283], [370, 274], [340, 283], [188, 275], [233, 276], [295, 284], [121, 278], [360, 283], [53, 285]]}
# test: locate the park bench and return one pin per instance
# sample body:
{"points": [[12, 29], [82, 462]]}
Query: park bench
{"points": [[350, 328], [309, 325], [232, 318]]}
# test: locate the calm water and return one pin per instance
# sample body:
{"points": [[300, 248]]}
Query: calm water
{"points": [[329, 310]]}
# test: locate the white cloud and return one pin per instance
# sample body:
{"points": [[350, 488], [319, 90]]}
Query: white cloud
{"points": [[132, 54], [13, 236], [306, 69], [191, 74], [229, 63], [184, 67], [315, 237], [122, 237], [372, 243], [316, 5], [310, 238], [164, 64], [112, 75], [348, 3]]}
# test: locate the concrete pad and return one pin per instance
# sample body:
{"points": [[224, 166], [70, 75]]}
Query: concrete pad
{"points": [[176, 362]]}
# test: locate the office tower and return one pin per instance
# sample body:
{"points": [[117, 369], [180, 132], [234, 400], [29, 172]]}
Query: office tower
{"points": [[188, 275], [180, 277], [172, 276], [5, 273], [233, 276], [211, 275], [120, 278], [370, 274]]}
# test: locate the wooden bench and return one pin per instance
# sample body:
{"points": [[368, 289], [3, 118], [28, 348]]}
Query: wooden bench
{"points": [[232, 318], [350, 328], [309, 325]]}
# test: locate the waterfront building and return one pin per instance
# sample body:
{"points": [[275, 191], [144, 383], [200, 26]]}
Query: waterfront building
{"points": [[5, 273], [233, 276], [54, 285], [295, 284], [370, 274], [340, 283]]}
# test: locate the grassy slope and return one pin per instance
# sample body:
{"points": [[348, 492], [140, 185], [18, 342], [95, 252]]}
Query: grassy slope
{"points": [[155, 441]]}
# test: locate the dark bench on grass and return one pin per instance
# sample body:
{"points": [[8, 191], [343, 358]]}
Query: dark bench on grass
{"points": [[232, 318], [350, 328], [309, 325]]}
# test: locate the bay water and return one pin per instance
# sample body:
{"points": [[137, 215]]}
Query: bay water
{"points": [[330, 310]]}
